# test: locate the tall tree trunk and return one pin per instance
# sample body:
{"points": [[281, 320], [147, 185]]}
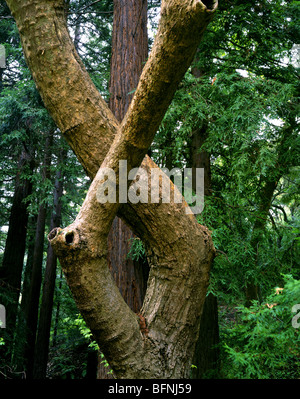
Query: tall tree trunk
{"points": [[12, 264], [252, 287], [1, 79], [206, 356], [31, 312], [20, 336], [129, 53], [270, 181], [43, 333], [57, 312]]}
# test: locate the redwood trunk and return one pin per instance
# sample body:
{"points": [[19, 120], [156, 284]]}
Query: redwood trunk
{"points": [[129, 53]]}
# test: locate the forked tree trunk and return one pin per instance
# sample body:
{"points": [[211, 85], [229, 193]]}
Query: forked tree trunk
{"points": [[160, 342]]}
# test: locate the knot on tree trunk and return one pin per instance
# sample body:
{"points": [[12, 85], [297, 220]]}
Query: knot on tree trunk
{"points": [[64, 240], [211, 5]]}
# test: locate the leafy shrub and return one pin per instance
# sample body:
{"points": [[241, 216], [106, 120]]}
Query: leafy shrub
{"points": [[137, 249], [264, 343]]}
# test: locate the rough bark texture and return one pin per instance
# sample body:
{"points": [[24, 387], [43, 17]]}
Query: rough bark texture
{"points": [[160, 342], [129, 54], [129, 30]]}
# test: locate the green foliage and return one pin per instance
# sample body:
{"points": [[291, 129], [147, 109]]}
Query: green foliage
{"points": [[263, 343], [86, 333], [91, 27], [68, 346], [137, 249]]}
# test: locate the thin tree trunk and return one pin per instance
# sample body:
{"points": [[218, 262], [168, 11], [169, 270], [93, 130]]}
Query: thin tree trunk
{"points": [[252, 287], [43, 333], [1, 79], [206, 356], [57, 313], [31, 230], [20, 335], [31, 313], [12, 264], [270, 181]]}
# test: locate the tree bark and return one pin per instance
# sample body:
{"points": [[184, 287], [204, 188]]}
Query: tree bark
{"points": [[31, 312], [57, 312], [43, 333], [129, 54], [160, 342], [207, 354]]}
